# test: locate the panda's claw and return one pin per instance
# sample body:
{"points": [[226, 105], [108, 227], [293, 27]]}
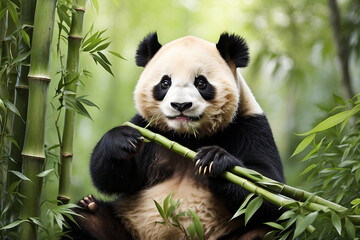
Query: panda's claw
{"points": [[210, 167], [205, 170], [197, 162], [200, 170]]}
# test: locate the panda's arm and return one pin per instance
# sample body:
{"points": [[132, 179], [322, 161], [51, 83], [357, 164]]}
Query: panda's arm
{"points": [[118, 163], [249, 143]]}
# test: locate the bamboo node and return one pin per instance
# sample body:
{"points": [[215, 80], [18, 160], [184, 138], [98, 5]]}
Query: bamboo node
{"points": [[40, 78], [75, 37], [243, 183], [171, 144], [33, 156], [80, 9], [22, 87], [186, 153], [67, 154]]}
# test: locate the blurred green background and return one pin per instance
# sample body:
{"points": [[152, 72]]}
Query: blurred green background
{"points": [[292, 73]]}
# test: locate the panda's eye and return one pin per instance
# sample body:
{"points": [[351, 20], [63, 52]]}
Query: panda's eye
{"points": [[165, 82], [200, 82]]}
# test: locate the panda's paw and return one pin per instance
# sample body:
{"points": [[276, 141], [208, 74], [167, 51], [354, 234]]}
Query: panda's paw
{"points": [[122, 142], [89, 203], [214, 160]]}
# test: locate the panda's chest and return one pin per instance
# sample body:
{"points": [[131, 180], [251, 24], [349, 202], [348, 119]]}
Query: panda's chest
{"points": [[139, 212], [171, 173]]}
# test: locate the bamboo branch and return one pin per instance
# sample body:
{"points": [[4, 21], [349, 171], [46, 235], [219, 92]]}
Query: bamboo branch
{"points": [[315, 202]]}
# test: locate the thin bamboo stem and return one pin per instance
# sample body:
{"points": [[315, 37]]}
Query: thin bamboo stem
{"points": [[73, 69], [315, 203], [33, 150]]}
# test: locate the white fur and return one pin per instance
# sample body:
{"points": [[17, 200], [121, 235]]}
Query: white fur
{"points": [[183, 60], [248, 103]]}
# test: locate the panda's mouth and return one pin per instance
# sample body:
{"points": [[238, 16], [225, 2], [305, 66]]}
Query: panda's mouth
{"points": [[184, 118]]}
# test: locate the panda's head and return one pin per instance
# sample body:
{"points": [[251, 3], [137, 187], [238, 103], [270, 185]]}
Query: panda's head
{"points": [[189, 85]]}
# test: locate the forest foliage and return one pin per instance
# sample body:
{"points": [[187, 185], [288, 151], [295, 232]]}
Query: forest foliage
{"points": [[303, 71]]}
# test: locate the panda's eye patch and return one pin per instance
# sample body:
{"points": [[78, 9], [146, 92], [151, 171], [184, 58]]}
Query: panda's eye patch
{"points": [[160, 89], [165, 82], [200, 82], [205, 88]]}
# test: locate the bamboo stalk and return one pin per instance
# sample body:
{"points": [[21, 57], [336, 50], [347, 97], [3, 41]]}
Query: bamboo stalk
{"points": [[39, 79], [73, 68], [27, 10], [316, 203], [286, 190]]}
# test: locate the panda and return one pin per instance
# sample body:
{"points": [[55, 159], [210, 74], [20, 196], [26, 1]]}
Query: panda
{"points": [[192, 92]]}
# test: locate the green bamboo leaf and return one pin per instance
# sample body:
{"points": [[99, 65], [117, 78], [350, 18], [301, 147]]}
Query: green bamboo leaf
{"points": [[286, 215], [87, 102], [198, 228], [303, 222], [191, 231], [160, 210], [13, 224], [117, 55], [357, 175], [103, 57], [86, 42], [349, 226], [333, 121], [20, 175], [45, 173], [309, 168], [13, 141], [241, 209], [12, 108], [101, 47], [2, 12], [336, 221], [12, 7], [102, 63], [253, 206], [304, 143], [82, 110], [25, 37], [275, 225], [166, 202], [21, 57]]}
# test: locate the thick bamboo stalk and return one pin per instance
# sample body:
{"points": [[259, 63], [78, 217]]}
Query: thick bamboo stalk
{"points": [[316, 203], [73, 68], [39, 79], [27, 10]]}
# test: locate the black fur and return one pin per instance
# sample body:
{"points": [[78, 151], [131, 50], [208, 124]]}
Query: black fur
{"points": [[233, 49], [119, 167], [159, 90], [147, 48], [207, 91]]}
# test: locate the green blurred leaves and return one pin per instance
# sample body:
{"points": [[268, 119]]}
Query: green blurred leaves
{"points": [[170, 216]]}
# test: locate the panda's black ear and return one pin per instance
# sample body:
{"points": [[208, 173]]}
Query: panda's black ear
{"points": [[147, 49], [233, 49]]}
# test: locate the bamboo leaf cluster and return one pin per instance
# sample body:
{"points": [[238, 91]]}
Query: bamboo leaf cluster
{"points": [[171, 217]]}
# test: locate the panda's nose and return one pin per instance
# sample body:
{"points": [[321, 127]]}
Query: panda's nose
{"points": [[181, 106]]}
